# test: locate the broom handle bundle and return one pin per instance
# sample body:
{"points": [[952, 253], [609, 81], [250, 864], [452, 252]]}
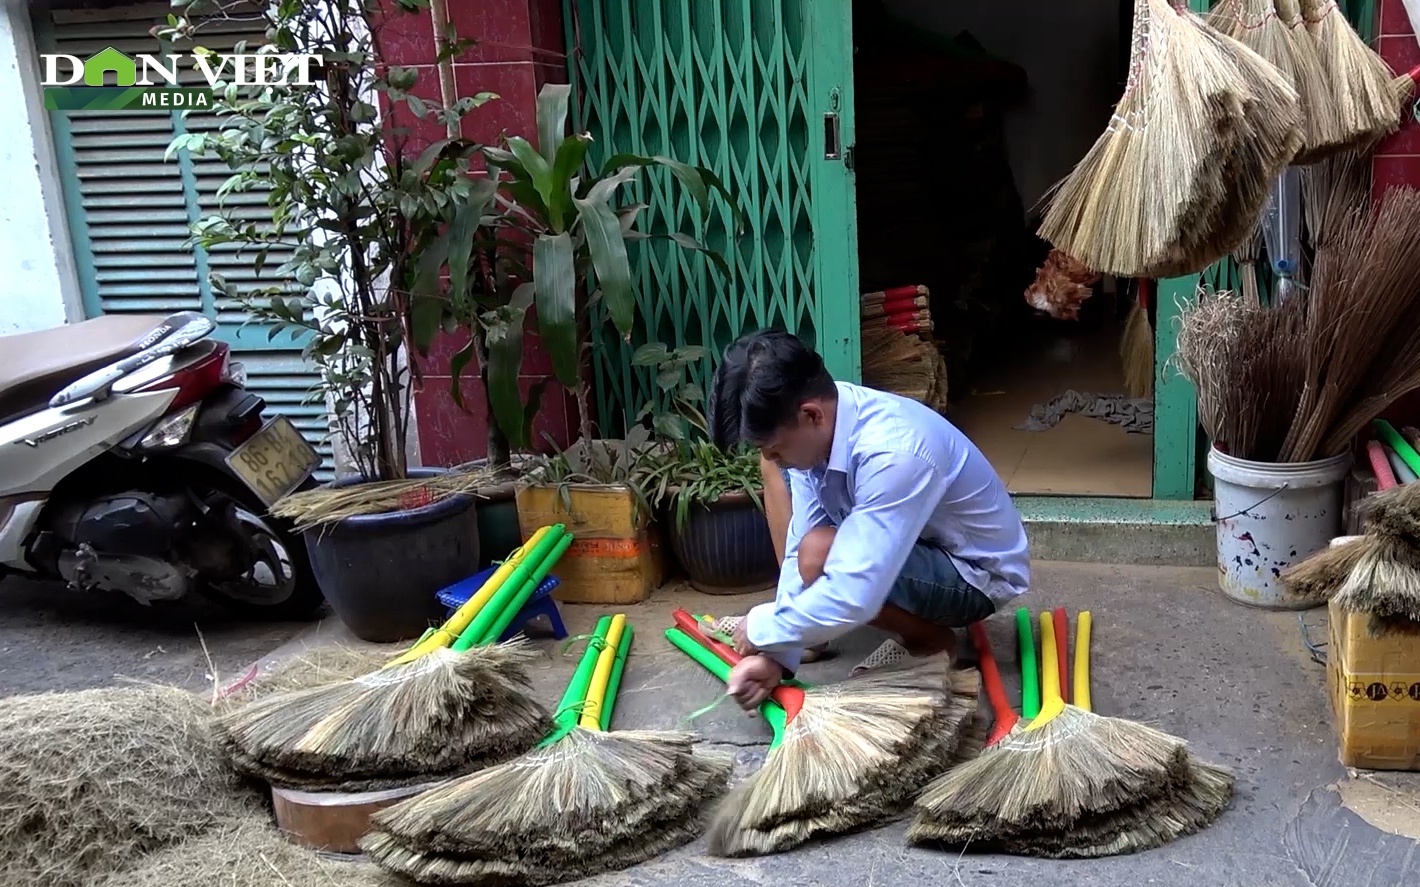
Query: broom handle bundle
{"points": [[1030, 676], [564, 720], [1402, 447], [510, 600], [591, 715], [1006, 717], [614, 682], [789, 696], [773, 714]]}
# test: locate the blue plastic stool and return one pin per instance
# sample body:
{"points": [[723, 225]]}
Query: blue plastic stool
{"points": [[542, 603]]}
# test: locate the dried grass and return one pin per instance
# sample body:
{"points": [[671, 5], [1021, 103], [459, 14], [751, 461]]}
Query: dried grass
{"points": [[314, 508], [1136, 353], [1364, 89], [91, 780], [1318, 577], [904, 364], [314, 667], [246, 851]]}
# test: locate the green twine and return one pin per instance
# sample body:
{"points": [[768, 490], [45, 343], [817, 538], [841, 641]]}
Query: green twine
{"points": [[701, 712]]}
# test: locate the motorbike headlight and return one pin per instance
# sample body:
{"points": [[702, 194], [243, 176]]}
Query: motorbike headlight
{"points": [[171, 431], [235, 373]]}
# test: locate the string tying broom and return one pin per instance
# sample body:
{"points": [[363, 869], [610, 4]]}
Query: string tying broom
{"points": [[452, 703], [844, 756], [584, 801]]}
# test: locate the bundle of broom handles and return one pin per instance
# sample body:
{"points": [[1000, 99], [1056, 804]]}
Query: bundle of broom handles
{"points": [[485, 616], [591, 693], [1047, 688]]}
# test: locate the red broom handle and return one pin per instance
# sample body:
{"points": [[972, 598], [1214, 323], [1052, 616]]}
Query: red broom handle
{"points": [[1062, 650], [791, 699], [1006, 716], [1385, 477]]}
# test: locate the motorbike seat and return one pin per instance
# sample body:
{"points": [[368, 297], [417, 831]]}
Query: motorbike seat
{"points": [[34, 366]]}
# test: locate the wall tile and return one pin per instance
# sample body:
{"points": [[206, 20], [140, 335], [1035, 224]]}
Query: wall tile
{"points": [[545, 28], [450, 434], [405, 38], [535, 359], [1401, 52], [514, 112], [491, 22], [1394, 170], [1406, 141], [549, 72]]}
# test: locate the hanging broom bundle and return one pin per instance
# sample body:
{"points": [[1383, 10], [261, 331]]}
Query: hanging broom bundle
{"points": [[1185, 167], [846, 756], [1366, 93], [453, 703], [585, 801]]}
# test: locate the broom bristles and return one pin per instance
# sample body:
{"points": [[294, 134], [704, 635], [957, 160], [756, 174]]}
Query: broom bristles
{"points": [[442, 712], [1363, 85], [1318, 577], [1385, 582], [1079, 763], [1136, 353]]}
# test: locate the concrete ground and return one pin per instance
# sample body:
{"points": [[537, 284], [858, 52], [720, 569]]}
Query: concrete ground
{"points": [[52, 638]]}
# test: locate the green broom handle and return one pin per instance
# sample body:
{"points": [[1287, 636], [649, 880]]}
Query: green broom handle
{"points": [[564, 720], [1030, 674], [519, 600], [773, 714], [613, 681], [1402, 447], [478, 631]]}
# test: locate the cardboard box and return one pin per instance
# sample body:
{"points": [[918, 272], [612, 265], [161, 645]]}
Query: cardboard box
{"points": [[616, 556], [1374, 684]]}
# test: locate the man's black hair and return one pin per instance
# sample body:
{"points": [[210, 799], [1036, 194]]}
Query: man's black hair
{"points": [[762, 380]]}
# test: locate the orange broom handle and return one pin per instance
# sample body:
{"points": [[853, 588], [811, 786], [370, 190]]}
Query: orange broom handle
{"points": [[791, 699], [1006, 716]]}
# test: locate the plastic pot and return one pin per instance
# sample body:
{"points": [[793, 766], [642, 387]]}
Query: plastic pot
{"points": [[724, 546], [381, 572]]}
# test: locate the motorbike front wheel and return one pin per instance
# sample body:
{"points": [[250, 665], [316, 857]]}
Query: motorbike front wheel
{"points": [[249, 561]]}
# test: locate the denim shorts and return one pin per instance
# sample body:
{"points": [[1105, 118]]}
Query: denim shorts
{"points": [[930, 587]]}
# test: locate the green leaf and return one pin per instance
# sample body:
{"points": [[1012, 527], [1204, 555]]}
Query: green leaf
{"points": [[505, 359], [417, 106], [608, 249], [457, 364], [649, 355], [425, 314], [533, 407], [687, 242], [461, 232], [538, 171], [428, 156], [552, 102], [555, 276], [569, 160]]}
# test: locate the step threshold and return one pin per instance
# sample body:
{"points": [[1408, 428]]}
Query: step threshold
{"points": [[1106, 530]]}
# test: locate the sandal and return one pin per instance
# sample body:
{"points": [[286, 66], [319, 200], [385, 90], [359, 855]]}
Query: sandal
{"points": [[888, 654], [727, 624]]}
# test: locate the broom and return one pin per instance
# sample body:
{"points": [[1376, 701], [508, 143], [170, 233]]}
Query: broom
{"points": [[1384, 580], [845, 756], [1186, 164], [1192, 805], [586, 801], [1136, 346], [1365, 92], [1066, 765], [437, 709]]}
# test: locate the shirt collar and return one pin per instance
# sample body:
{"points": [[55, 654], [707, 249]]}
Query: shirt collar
{"points": [[843, 429]]}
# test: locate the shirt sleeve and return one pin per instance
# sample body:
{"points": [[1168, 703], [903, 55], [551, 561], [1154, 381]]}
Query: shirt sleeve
{"points": [[806, 513], [895, 497]]}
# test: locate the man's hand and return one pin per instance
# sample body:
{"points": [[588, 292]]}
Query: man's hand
{"points": [[742, 644], [753, 679]]}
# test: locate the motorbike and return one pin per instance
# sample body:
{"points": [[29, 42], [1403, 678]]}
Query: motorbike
{"points": [[134, 461]]}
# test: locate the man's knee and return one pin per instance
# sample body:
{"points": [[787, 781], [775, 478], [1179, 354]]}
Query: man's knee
{"points": [[813, 553]]}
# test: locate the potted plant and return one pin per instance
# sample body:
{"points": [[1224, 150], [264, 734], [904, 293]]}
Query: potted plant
{"points": [[357, 221], [556, 246], [710, 500]]}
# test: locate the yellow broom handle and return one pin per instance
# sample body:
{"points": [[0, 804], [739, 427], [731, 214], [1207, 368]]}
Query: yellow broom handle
{"points": [[1082, 660], [591, 717], [1051, 702], [454, 626]]}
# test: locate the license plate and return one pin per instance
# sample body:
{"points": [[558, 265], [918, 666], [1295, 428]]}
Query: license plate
{"points": [[275, 460]]}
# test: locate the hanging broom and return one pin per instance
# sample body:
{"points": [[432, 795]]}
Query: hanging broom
{"points": [[585, 801], [1185, 167], [1136, 346], [845, 756], [1365, 91], [1065, 766], [453, 703]]}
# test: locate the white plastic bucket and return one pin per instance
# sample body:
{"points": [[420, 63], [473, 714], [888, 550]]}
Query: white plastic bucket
{"points": [[1269, 516]]}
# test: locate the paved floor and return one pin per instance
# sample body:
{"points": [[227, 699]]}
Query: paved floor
{"points": [[52, 638]]}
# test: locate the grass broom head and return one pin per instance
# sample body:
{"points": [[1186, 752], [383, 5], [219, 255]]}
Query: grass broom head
{"points": [[1364, 91], [1136, 353], [1321, 124], [1394, 513], [1189, 806], [91, 781], [886, 793], [1320, 576], [1385, 585], [848, 738], [445, 712]]}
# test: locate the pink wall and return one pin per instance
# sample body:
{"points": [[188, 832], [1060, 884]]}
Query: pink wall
{"points": [[520, 47], [1398, 157]]}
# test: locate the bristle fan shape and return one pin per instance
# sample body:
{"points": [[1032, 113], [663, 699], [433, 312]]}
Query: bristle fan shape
{"points": [[444, 713], [1317, 578], [1364, 88]]}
